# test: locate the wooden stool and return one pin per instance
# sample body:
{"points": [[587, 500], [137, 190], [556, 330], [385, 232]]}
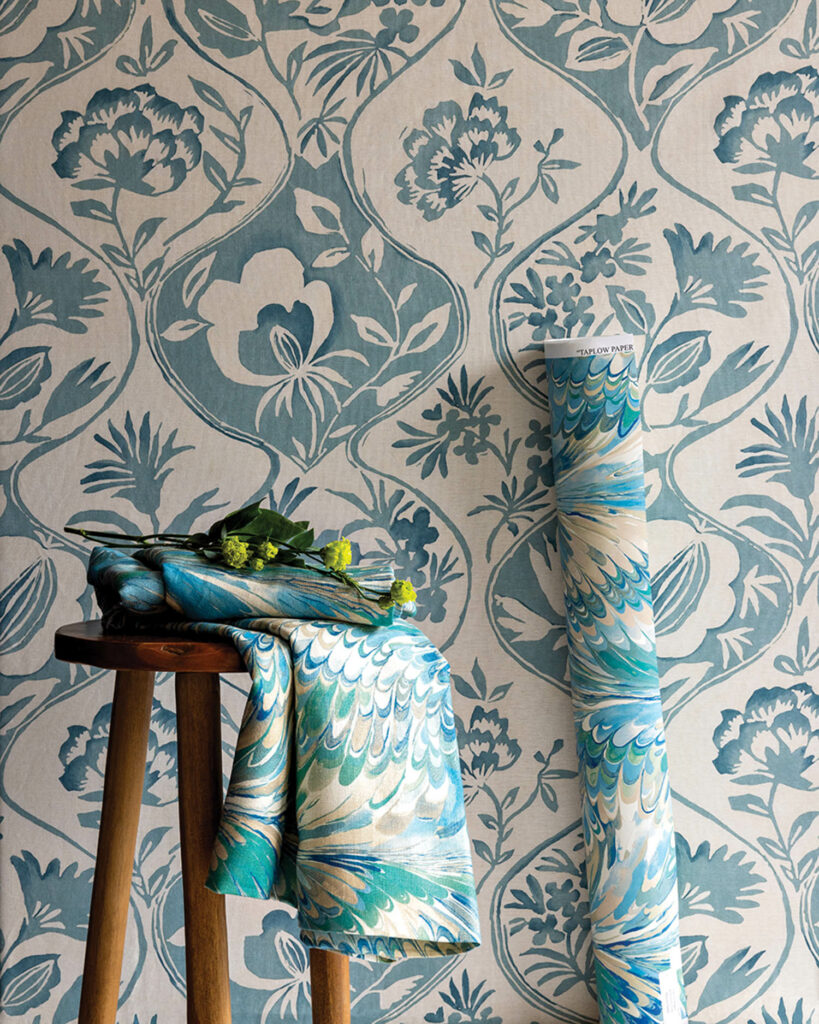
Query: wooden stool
{"points": [[197, 664]]}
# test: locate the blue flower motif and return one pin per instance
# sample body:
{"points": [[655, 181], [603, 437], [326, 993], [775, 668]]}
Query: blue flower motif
{"points": [[55, 901], [397, 25], [413, 536], [52, 291], [279, 957], [774, 740], [452, 152], [775, 128], [716, 883], [545, 930], [713, 275], [83, 756], [130, 139], [486, 747], [138, 463]]}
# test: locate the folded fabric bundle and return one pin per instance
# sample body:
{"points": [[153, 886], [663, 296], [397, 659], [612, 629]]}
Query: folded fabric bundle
{"points": [[345, 798], [627, 824]]}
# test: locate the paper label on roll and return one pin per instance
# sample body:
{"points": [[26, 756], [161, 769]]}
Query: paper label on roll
{"points": [[577, 348], [670, 1000]]}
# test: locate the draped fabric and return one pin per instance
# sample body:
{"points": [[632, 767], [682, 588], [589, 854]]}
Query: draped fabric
{"points": [[627, 824], [345, 798]]}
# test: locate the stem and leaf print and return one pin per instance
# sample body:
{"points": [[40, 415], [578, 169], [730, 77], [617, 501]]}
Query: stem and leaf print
{"points": [[454, 153], [314, 254]]}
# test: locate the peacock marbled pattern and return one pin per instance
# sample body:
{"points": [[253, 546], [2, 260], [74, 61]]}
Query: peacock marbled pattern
{"points": [[628, 830], [345, 797], [311, 252]]}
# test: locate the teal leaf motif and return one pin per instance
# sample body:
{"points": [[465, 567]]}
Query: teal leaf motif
{"points": [[596, 49], [93, 209], [78, 388], [694, 952], [633, 310], [25, 604], [22, 374], [29, 982], [734, 975], [677, 361]]}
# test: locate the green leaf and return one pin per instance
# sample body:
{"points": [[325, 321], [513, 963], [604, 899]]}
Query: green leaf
{"points": [[302, 541], [235, 520]]}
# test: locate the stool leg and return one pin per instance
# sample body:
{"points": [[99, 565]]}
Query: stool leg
{"points": [[330, 987], [121, 801], [199, 739]]}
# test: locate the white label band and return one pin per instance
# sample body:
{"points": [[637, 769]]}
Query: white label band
{"points": [[673, 1012], [576, 348]]}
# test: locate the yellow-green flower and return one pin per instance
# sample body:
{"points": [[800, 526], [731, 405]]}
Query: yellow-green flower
{"points": [[268, 551], [235, 552], [337, 554], [257, 563], [402, 592]]}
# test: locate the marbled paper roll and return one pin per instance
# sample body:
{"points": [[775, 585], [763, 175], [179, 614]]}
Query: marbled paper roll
{"points": [[627, 822]]}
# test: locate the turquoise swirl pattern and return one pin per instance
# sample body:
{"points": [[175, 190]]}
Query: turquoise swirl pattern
{"points": [[627, 823], [345, 798]]}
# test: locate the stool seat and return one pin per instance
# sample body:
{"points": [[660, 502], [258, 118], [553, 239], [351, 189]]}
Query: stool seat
{"points": [[89, 644], [197, 663]]}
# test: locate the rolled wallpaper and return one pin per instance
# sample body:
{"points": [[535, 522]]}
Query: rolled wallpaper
{"points": [[626, 808]]}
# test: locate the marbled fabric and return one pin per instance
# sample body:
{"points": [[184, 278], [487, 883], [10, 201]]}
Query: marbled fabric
{"points": [[345, 798]]}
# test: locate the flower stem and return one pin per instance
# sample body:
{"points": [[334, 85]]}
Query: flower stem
{"points": [[789, 238], [218, 202], [126, 248], [280, 77], [790, 870]]}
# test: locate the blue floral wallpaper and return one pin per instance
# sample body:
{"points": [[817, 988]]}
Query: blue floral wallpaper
{"points": [[310, 250]]}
